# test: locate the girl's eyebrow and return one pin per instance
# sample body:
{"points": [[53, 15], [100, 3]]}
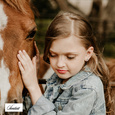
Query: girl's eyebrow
{"points": [[71, 53], [67, 53], [52, 51]]}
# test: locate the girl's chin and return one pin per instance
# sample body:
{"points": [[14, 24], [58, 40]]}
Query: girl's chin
{"points": [[64, 77]]}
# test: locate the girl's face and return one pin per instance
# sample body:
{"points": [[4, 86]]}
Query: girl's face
{"points": [[67, 56]]}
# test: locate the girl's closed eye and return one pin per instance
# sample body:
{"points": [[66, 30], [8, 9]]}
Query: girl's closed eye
{"points": [[52, 54], [71, 57]]}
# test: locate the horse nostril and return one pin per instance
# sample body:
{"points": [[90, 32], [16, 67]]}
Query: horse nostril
{"points": [[14, 101]]}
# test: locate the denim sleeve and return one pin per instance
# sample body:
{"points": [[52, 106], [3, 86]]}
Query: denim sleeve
{"points": [[41, 107], [81, 104]]}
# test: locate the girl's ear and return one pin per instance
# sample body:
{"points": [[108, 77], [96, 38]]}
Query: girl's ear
{"points": [[89, 53]]}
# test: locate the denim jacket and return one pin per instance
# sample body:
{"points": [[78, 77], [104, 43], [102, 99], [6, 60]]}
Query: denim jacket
{"points": [[82, 94]]}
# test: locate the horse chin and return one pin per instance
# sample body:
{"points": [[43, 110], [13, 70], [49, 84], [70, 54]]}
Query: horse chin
{"points": [[15, 92], [11, 113]]}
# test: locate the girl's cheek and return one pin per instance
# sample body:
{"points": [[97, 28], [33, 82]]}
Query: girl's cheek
{"points": [[52, 60]]}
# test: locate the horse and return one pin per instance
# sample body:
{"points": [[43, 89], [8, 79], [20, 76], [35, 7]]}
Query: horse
{"points": [[17, 31]]}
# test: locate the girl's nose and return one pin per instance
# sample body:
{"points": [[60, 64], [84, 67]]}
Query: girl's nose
{"points": [[60, 62]]}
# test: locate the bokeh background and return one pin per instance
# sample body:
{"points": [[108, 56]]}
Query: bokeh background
{"points": [[100, 13]]}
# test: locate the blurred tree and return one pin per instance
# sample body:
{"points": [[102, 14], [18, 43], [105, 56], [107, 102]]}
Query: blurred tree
{"points": [[45, 8], [75, 6]]}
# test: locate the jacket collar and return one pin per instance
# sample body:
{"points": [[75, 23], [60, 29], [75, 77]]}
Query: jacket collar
{"points": [[83, 74]]}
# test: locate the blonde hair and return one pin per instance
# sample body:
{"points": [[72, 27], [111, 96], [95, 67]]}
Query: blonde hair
{"points": [[67, 24]]}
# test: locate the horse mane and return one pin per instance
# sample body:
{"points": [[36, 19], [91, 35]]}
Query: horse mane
{"points": [[20, 5]]}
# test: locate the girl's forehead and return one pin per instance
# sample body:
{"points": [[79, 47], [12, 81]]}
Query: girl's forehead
{"points": [[71, 40], [70, 44]]}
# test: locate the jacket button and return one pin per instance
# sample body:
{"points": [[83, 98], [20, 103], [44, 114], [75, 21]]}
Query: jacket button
{"points": [[60, 90], [59, 107]]}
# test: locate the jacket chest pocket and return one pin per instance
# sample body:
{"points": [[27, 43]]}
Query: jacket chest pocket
{"points": [[62, 100]]}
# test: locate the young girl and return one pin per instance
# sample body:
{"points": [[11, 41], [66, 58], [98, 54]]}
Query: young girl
{"points": [[76, 87]]}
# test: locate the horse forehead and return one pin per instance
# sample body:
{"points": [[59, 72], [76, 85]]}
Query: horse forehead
{"points": [[17, 21], [3, 18], [3, 23]]}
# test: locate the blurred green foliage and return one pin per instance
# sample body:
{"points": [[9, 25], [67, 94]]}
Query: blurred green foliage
{"points": [[42, 25], [45, 9], [109, 48]]}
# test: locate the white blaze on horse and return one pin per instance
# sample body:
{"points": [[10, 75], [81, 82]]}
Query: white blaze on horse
{"points": [[17, 30]]}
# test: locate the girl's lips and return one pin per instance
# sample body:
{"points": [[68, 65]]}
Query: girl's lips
{"points": [[61, 71]]}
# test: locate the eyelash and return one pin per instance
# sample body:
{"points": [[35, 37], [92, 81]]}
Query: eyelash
{"points": [[70, 58], [31, 35], [53, 55]]}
